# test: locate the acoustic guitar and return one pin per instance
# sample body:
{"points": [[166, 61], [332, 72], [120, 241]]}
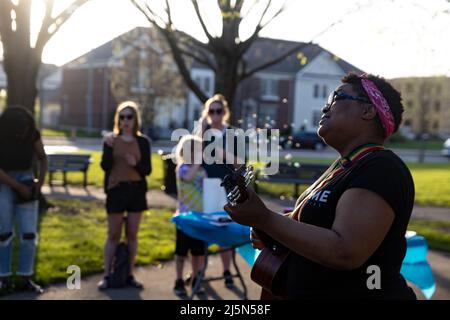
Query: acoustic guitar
{"points": [[267, 269]]}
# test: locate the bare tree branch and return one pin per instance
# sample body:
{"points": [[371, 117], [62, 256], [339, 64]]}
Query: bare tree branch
{"points": [[182, 67], [245, 45], [156, 16], [202, 22], [251, 8], [279, 11], [183, 36], [194, 56], [55, 24], [150, 14], [6, 21], [169, 14], [274, 61], [300, 46]]}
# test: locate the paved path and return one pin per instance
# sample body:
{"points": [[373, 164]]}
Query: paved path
{"points": [[158, 281], [62, 144]]}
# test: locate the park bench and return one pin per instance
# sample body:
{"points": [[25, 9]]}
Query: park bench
{"points": [[303, 174], [68, 163]]}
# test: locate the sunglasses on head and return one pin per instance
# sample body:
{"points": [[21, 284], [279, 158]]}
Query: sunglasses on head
{"points": [[216, 111], [126, 116]]}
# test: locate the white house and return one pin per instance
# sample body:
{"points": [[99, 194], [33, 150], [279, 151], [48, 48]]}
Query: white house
{"points": [[291, 92]]}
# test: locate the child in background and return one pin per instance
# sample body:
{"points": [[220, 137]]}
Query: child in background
{"points": [[190, 175]]}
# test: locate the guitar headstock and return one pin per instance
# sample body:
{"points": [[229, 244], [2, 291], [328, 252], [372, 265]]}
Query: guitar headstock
{"points": [[236, 183]]}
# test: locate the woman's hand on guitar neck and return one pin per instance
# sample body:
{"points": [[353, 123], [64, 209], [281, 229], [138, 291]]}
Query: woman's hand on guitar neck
{"points": [[252, 212], [256, 242]]}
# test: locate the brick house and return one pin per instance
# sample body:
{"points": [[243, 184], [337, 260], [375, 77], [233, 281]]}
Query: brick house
{"points": [[119, 70]]}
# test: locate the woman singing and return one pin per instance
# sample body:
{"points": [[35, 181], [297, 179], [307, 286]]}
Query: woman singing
{"points": [[353, 219]]}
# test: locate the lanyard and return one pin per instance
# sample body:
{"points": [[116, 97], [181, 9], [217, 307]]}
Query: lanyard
{"points": [[338, 167]]}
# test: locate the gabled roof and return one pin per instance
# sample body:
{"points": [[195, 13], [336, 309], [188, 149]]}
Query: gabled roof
{"points": [[102, 54], [267, 49]]}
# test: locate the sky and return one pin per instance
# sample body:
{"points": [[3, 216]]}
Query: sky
{"points": [[391, 38]]}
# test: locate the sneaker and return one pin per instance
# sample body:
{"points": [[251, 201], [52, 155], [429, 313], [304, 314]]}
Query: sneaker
{"points": [[229, 283], [179, 288], [30, 286], [131, 282], [200, 289], [103, 284], [6, 286]]}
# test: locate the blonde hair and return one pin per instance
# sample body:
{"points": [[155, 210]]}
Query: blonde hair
{"points": [[137, 117], [220, 99], [186, 141]]}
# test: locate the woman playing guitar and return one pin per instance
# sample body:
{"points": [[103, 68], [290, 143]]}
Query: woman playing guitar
{"points": [[345, 238]]}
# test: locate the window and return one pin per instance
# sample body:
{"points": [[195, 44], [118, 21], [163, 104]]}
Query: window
{"points": [[324, 91], [409, 104], [269, 87], [143, 79], [317, 114], [207, 85], [436, 125], [409, 87], [267, 116], [437, 106], [196, 112], [316, 91], [438, 89], [135, 76]]}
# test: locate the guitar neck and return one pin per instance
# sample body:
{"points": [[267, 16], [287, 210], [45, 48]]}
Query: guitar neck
{"points": [[270, 242]]}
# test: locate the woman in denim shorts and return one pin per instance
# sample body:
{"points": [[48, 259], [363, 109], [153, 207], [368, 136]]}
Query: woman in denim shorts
{"points": [[126, 162], [20, 145]]}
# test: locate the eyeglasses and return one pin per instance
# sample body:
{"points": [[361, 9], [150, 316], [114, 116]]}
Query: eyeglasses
{"points": [[126, 116], [216, 111], [335, 96]]}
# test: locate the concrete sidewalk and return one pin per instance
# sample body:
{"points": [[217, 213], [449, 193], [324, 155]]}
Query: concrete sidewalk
{"points": [[159, 280], [158, 284]]}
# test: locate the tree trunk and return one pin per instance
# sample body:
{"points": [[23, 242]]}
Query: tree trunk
{"points": [[226, 84], [22, 74]]}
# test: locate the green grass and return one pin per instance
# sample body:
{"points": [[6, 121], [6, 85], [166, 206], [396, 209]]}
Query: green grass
{"points": [[413, 144], [437, 233], [432, 182], [49, 132], [74, 232]]}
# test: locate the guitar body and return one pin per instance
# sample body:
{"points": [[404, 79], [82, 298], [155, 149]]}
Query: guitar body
{"points": [[267, 268], [266, 272]]}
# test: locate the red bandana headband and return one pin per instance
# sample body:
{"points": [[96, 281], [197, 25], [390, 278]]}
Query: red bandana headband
{"points": [[381, 105]]}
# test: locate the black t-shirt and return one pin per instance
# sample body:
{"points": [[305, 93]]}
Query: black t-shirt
{"points": [[17, 156], [385, 174], [218, 170]]}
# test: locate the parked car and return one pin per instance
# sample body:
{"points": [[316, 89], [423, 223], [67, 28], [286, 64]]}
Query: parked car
{"points": [[304, 140], [446, 150]]}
